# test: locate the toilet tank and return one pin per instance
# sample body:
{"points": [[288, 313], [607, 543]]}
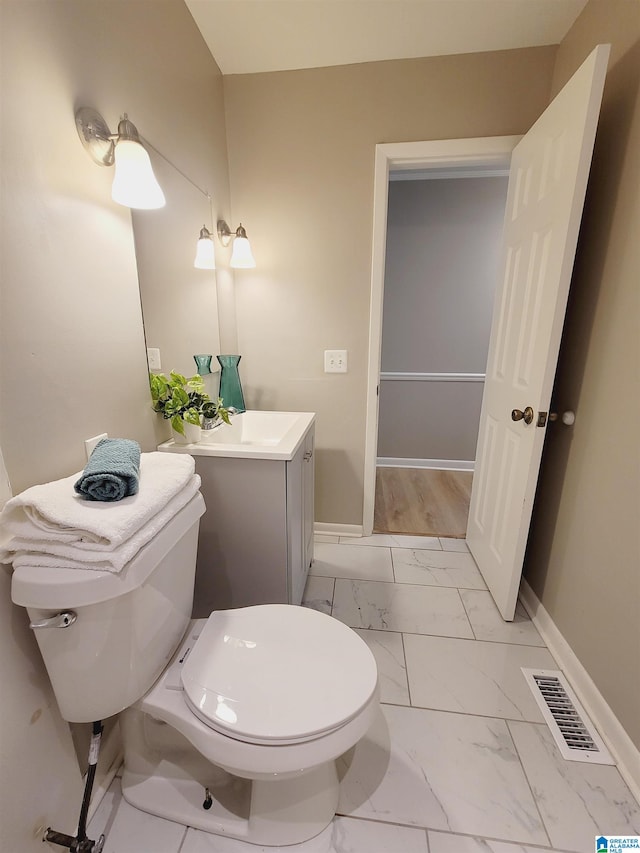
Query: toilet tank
{"points": [[128, 623]]}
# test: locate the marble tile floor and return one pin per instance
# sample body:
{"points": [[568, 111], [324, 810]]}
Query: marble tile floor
{"points": [[459, 759]]}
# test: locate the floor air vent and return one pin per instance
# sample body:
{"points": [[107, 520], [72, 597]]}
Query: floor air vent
{"points": [[572, 730]]}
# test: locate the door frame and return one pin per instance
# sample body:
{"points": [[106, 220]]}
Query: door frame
{"points": [[443, 154]]}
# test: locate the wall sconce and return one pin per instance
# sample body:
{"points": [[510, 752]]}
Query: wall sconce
{"points": [[205, 256], [241, 256], [134, 184]]}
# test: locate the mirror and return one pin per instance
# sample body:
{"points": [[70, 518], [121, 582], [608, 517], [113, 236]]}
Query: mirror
{"points": [[179, 302]]}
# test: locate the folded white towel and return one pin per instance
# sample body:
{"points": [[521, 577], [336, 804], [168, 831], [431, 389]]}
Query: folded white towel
{"points": [[53, 512], [23, 552]]}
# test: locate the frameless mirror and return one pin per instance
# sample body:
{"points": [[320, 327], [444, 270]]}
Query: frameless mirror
{"points": [[179, 302]]}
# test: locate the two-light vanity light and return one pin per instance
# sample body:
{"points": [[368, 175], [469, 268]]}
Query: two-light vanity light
{"points": [[135, 185], [241, 256]]}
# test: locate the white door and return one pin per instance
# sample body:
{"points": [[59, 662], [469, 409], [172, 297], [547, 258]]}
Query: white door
{"points": [[547, 184]]}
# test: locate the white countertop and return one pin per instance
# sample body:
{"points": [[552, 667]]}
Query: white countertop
{"points": [[251, 435]]}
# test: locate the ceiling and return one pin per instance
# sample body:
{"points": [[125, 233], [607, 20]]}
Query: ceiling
{"points": [[250, 36]]}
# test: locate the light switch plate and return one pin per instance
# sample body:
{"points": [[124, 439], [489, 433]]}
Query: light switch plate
{"points": [[90, 443], [153, 358], [335, 361]]}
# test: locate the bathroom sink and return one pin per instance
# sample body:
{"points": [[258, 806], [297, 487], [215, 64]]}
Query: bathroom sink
{"points": [[253, 434], [266, 429]]}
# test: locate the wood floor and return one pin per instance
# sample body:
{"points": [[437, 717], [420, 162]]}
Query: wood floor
{"points": [[422, 502]]}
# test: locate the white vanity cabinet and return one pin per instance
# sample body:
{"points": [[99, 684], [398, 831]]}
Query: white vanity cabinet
{"points": [[256, 537]]}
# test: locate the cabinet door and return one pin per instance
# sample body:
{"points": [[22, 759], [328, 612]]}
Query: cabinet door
{"points": [[296, 569], [242, 548], [300, 517], [308, 483]]}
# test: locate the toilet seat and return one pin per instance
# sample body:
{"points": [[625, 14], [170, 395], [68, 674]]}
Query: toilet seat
{"points": [[277, 674]]}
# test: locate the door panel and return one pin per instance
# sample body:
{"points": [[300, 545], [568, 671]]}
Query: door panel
{"points": [[547, 184]]}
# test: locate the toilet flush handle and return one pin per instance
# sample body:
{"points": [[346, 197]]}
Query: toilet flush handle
{"points": [[60, 620]]}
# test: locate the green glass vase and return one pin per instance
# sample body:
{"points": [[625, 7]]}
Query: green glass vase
{"points": [[203, 363], [230, 387]]}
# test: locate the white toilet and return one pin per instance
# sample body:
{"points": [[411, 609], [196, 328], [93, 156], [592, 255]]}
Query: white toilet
{"points": [[231, 724]]}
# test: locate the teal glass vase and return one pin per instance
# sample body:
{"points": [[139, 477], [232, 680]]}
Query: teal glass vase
{"points": [[203, 363], [230, 387]]}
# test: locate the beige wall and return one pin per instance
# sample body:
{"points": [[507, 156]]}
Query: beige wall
{"points": [[72, 355], [583, 559], [301, 152], [32, 734], [302, 146]]}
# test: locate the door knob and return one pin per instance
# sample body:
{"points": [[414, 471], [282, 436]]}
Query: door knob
{"points": [[526, 416]]}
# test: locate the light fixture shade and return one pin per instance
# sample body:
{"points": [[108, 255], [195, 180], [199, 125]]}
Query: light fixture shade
{"points": [[134, 184], [242, 256], [205, 255]]}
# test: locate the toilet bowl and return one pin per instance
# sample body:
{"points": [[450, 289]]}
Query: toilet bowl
{"points": [[272, 694], [230, 724]]}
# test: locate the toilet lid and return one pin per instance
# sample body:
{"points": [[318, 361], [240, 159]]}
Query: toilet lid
{"points": [[277, 672]]}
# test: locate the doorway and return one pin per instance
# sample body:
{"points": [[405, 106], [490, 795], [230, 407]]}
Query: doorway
{"points": [[444, 235], [446, 160], [422, 502]]}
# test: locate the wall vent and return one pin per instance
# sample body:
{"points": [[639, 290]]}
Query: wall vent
{"points": [[568, 722]]}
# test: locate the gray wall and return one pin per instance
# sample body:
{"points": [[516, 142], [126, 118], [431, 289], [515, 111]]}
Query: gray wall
{"points": [[435, 421], [443, 250], [441, 269]]}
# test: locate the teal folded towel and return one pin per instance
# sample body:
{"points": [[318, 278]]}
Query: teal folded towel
{"points": [[112, 472]]}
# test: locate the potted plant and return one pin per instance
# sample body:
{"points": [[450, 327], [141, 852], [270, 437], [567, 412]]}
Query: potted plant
{"points": [[182, 401]]}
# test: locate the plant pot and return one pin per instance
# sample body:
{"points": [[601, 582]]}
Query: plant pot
{"points": [[192, 434]]}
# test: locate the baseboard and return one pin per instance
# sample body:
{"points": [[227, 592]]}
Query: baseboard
{"points": [[622, 748], [330, 528], [434, 464]]}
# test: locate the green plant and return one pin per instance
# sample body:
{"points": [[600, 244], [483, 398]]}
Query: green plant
{"points": [[178, 399]]}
